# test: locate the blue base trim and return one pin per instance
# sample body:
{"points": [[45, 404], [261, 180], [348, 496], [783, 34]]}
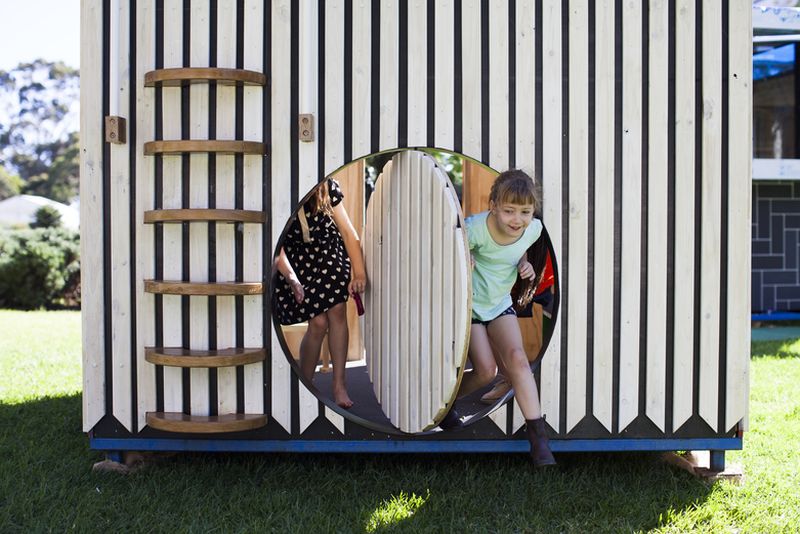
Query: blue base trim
{"points": [[410, 446], [775, 316]]}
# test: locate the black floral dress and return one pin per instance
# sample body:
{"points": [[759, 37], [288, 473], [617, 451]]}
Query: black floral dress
{"points": [[322, 265]]}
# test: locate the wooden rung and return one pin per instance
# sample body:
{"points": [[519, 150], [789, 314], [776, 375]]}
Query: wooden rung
{"points": [[175, 287], [178, 357], [183, 76], [199, 145], [204, 424], [182, 215]]}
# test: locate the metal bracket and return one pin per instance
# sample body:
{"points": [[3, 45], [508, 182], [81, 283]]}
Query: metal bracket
{"points": [[116, 130], [306, 127]]}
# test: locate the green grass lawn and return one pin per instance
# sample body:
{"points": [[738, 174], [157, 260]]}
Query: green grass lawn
{"points": [[46, 482]]}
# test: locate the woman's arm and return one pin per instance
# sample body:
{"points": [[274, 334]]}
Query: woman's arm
{"points": [[285, 268], [352, 245]]}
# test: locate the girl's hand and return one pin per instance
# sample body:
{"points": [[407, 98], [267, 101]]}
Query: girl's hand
{"points": [[297, 290], [358, 284], [525, 270]]}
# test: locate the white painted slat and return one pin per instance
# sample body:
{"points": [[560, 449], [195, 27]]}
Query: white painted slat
{"points": [[253, 200], [684, 209], [404, 170], [453, 287], [498, 86], [362, 73], [740, 106], [226, 248], [281, 208], [91, 190], [578, 209], [198, 191], [145, 194], [388, 281], [631, 267], [389, 74], [518, 420], [426, 302], [307, 151], [499, 417], [173, 238], [417, 73], [334, 85], [525, 43], [443, 87], [437, 294], [413, 215], [657, 165], [335, 418], [603, 345], [373, 260], [471, 79], [551, 178], [120, 222], [397, 287], [711, 209]]}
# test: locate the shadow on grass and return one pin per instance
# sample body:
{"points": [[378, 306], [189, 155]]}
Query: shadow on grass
{"points": [[782, 348], [48, 484]]}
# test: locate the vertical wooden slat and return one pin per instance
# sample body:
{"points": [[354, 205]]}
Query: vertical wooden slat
{"points": [[173, 239], [526, 87], [91, 190], [631, 212], [443, 86], [657, 212], [362, 72], [402, 171], [334, 85], [471, 68], [578, 210], [684, 208], [145, 267], [120, 222], [437, 295], [413, 214], [426, 302], [226, 250], [198, 232], [498, 87], [739, 188], [711, 212], [500, 417], [417, 73], [603, 210], [388, 277], [252, 192], [551, 181], [397, 287], [279, 159], [389, 82]]}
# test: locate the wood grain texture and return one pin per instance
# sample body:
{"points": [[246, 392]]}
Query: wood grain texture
{"points": [[174, 287], [204, 214], [184, 76], [204, 424], [204, 145], [179, 357]]}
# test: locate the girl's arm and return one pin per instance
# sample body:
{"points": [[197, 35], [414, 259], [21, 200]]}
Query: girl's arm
{"points": [[525, 268], [352, 244], [285, 268]]}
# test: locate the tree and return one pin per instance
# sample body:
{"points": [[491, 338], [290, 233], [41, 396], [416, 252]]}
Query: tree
{"points": [[10, 184], [46, 217]]}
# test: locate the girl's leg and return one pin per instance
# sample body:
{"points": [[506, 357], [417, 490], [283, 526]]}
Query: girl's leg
{"points": [[507, 340], [311, 344], [338, 340], [484, 367]]}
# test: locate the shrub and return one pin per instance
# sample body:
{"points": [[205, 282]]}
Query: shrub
{"points": [[46, 217], [39, 268]]}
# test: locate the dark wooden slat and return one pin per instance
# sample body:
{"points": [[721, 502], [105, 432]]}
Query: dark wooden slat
{"points": [[181, 215], [178, 357], [183, 76], [177, 287], [204, 424], [204, 146]]}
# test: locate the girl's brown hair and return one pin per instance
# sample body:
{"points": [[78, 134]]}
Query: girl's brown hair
{"points": [[320, 201], [515, 187]]}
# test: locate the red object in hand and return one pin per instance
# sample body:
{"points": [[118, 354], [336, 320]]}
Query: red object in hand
{"points": [[359, 304]]}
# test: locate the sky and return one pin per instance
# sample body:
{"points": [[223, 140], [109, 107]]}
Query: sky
{"points": [[32, 29]]}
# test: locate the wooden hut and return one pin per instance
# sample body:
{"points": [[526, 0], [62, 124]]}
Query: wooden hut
{"points": [[635, 117]]}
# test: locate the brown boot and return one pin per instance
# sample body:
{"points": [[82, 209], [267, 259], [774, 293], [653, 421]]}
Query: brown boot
{"points": [[540, 443]]}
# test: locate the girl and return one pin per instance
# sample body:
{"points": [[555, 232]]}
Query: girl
{"points": [[315, 280], [498, 241]]}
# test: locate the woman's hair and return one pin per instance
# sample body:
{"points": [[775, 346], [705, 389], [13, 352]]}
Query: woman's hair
{"points": [[320, 201], [515, 187]]}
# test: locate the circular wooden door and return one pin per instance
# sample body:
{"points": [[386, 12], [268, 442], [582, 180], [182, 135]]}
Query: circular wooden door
{"points": [[419, 297]]}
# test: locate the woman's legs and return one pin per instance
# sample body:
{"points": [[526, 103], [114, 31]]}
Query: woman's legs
{"points": [[484, 367], [311, 344], [507, 340], [338, 340]]}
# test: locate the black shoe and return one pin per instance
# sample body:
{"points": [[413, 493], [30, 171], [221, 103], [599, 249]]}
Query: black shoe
{"points": [[451, 420]]}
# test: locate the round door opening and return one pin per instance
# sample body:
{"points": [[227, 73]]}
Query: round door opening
{"points": [[390, 229]]}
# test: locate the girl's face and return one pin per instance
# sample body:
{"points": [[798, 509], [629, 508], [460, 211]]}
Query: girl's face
{"points": [[512, 219]]}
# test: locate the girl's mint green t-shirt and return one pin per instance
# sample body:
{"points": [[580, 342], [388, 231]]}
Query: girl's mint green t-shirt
{"points": [[495, 268]]}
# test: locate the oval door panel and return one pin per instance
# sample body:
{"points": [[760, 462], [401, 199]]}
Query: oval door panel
{"points": [[418, 299]]}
